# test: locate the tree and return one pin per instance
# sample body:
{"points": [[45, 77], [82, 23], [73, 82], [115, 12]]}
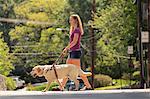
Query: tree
{"points": [[7, 11], [36, 40], [5, 58], [117, 22]]}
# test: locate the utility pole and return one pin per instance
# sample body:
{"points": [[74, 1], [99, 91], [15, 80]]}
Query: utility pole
{"points": [[148, 22], [93, 44], [139, 28]]}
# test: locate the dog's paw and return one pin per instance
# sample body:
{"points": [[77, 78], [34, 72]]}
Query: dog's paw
{"points": [[44, 90]]}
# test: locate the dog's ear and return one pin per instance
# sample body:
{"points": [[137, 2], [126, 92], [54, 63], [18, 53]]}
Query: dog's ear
{"points": [[39, 69]]}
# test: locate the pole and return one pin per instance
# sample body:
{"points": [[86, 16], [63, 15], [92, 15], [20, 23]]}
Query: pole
{"points": [[93, 44], [139, 21], [120, 70], [148, 66], [130, 67]]}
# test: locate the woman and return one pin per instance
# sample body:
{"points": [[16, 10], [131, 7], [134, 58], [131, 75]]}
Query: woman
{"points": [[76, 31]]}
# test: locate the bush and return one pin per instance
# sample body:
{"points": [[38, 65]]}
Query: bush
{"points": [[126, 76], [136, 75], [42, 87], [102, 80], [11, 85]]}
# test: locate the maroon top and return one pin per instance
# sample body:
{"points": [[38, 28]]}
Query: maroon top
{"points": [[77, 46]]}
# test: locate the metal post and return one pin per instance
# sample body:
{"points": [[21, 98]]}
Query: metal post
{"points": [[130, 67], [147, 69], [148, 66], [139, 22], [120, 70], [130, 52]]}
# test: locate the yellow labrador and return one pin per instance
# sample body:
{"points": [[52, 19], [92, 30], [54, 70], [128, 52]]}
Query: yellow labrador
{"points": [[63, 71]]}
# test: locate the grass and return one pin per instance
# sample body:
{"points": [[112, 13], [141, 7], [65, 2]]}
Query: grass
{"points": [[118, 84], [41, 87]]}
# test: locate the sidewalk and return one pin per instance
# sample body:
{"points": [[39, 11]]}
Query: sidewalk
{"points": [[33, 93]]}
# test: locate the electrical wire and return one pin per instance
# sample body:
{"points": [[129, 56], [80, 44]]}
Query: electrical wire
{"points": [[19, 21]]}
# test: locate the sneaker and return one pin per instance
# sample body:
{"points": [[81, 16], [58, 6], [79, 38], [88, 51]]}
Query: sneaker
{"points": [[85, 88]]}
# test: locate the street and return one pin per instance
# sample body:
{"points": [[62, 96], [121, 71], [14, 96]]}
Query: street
{"points": [[102, 94]]}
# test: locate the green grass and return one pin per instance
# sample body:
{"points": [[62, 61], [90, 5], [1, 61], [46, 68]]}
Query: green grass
{"points": [[41, 87], [119, 84]]}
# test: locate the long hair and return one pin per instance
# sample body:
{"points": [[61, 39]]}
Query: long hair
{"points": [[79, 23]]}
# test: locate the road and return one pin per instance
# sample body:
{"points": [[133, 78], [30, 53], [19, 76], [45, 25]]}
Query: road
{"points": [[103, 94]]}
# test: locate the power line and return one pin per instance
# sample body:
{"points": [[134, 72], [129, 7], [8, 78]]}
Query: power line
{"points": [[25, 46], [91, 37], [18, 21], [35, 54]]}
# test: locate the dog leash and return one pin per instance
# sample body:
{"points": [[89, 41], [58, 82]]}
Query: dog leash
{"points": [[53, 66]]}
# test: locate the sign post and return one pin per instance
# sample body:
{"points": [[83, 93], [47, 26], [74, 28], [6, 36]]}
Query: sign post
{"points": [[130, 52], [145, 40]]}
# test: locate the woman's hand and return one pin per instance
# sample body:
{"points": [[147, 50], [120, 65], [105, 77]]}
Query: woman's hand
{"points": [[64, 52]]}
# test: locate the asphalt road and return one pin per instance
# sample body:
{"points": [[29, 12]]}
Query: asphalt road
{"points": [[103, 94]]}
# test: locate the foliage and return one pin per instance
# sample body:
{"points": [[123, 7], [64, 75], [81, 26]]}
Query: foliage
{"points": [[117, 25], [42, 87], [102, 80], [34, 38], [5, 58], [77, 7], [11, 85], [119, 83], [37, 42], [6, 11], [126, 76], [116, 71], [136, 75], [37, 10]]}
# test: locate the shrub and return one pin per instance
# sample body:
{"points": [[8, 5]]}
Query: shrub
{"points": [[136, 75], [126, 76], [11, 85], [41, 87], [102, 80]]}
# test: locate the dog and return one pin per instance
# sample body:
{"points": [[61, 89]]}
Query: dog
{"points": [[2, 83], [63, 71]]}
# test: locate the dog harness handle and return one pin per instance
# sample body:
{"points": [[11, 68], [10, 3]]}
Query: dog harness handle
{"points": [[55, 71], [53, 65], [57, 76]]}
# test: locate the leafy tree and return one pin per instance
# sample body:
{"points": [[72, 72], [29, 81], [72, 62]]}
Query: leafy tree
{"points": [[36, 40], [6, 11], [5, 58], [117, 22]]}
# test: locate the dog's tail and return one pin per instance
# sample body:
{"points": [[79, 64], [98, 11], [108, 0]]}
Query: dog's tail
{"points": [[81, 72]]}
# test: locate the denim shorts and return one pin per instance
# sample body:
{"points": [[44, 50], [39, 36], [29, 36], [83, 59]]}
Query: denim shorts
{"points": [[75, 54]]}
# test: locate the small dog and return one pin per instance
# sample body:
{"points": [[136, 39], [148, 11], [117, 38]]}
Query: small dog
{"points": [[63, 71], [2, 83]]}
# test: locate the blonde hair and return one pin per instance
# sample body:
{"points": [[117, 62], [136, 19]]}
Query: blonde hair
{"points": [[79, 24]]}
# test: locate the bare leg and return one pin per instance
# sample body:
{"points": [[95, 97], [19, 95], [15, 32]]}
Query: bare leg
{"points": [[84, 77], [76, 83]]}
